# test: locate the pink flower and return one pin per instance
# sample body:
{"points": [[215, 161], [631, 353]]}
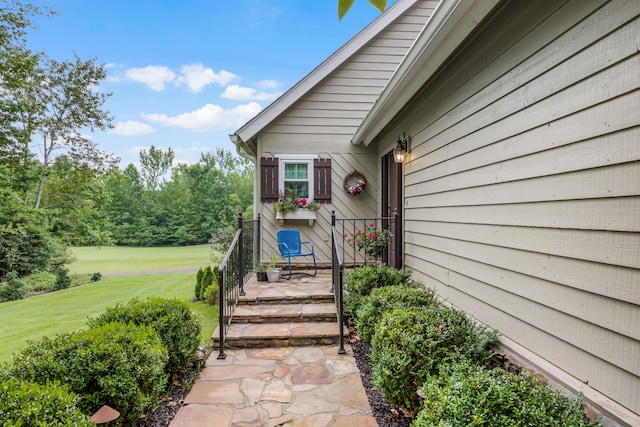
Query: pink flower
{"points": [[372, 236], [359, 233], [361, 182], [303, 202], [372, 225]]}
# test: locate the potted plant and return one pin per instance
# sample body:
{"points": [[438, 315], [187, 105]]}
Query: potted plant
{"points": [[261, 272], [273, 273]]}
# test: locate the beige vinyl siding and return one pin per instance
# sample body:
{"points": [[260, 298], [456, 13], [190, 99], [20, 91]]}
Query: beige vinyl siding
{"points": [[522, 194], [324, 120]]}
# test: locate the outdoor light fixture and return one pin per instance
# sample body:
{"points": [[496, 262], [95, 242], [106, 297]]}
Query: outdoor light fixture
{"points": [[401, 152]]}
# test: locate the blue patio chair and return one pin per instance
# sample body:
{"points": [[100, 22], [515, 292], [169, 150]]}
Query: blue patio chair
{"points": [[291, 247]]}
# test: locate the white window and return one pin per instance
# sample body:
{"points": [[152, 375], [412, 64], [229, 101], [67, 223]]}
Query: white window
{"points": [[296, 174]]}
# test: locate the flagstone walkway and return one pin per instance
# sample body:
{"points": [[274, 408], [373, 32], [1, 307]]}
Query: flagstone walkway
{"points": [[287, 386], [279, 386]]}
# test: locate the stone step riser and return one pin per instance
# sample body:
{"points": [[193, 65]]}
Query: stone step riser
{"points": [[263, 319], [271, 343], [292, 300]]}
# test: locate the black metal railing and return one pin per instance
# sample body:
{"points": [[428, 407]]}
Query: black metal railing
{"points": [[368, 250], [337, 280], [235, 270], [358, 246]]}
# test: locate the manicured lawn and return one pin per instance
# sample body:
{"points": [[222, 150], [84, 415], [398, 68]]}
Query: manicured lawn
{"points": [[67, 310], [117, 259]]}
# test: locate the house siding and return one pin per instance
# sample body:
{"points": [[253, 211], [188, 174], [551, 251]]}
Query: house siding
{"points": [[325, 119], [522, 193]]}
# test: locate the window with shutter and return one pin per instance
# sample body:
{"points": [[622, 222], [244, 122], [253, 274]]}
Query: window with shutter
{"points": [[304, 175]]}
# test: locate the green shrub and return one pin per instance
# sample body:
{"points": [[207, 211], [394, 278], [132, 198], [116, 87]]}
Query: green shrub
{"points": [[212, 294], [96, 277], [63, 281], [39, 281], [464, 394], [384, 300], [198, 282], [12, 288], [409, 345], [113, 364], [207, 280], [362, 280], [29, 404], [176, 325]]}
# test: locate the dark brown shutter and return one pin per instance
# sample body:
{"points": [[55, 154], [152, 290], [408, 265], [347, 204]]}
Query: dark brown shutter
{"points": [[322, 180], [269, 179]]}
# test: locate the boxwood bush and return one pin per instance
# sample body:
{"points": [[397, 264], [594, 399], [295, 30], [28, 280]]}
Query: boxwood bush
{"points": [[385, 299], [114, 364], [410, 344], [464, 394], [39, 281], [363, 280], [29, 404], [176, 325]]}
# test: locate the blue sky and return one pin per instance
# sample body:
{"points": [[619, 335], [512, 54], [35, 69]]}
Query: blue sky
{"points": [[185, 74]]}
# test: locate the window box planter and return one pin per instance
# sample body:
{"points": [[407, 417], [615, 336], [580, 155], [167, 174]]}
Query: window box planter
{"points": [[300, 214]]}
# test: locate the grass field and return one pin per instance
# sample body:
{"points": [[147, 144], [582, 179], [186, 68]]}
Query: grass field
{"points": [[67, 310], [118, 259]]}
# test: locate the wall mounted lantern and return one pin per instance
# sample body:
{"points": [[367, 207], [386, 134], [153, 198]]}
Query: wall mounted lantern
{"points": [[401, 152]]}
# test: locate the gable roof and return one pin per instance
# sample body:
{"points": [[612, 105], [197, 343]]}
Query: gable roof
{"points": [[250, 130], [449, 26]]}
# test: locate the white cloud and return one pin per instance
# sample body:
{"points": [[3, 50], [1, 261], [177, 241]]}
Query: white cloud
{"points": [[208, 118], [269, 84], [196, 77], [241, 93], [132, 128], [154, 76]]}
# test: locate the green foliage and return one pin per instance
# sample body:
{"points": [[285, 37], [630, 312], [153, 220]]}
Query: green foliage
{"points": [[199, 200], [113, 364], [207, 280], [292, 202], [199, 276], [409, 346], [464, 394], [212, 294], [63, 281], [39, 281], [28, 404], [12, 288], [373, 240], [176, 325], [363, 280], [386, 299], [96, 277], [345, 5]]}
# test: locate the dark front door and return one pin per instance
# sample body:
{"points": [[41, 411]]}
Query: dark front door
{"points": [[392, 202]]}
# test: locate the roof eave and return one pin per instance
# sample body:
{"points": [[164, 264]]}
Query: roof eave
{"points": [[451, 23], [277, 107]]}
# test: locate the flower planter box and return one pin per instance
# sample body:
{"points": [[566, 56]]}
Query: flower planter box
{"points": [[300, 214]]}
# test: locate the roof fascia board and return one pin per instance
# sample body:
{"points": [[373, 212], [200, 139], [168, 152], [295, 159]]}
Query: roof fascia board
{"points": [[277, 107], [450, 24]]}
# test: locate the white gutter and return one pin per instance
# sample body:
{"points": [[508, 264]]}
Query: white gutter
{"points": [[451, 23]]}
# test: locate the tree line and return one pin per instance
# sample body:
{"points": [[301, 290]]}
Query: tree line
{"points": [[57, 188]]}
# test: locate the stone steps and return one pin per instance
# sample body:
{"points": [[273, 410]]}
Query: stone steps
{"points": [[264, 335], [283, 313], [298, 312]]}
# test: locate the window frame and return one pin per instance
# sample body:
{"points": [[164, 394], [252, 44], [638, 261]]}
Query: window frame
{"points": [[307, 159]]}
